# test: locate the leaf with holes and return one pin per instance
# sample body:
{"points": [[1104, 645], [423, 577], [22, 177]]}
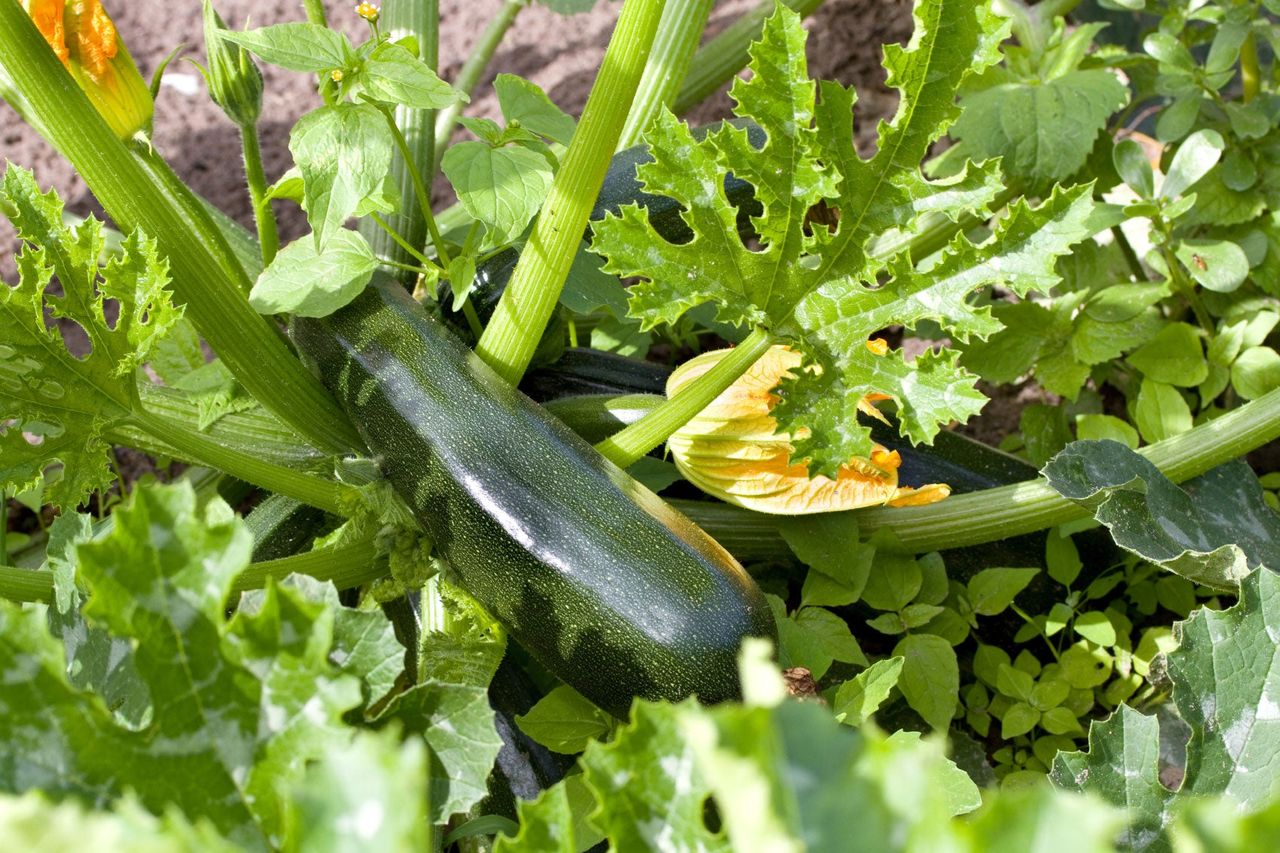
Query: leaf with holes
{"points": [[820, 289], [54, 406], [1226, 686]]}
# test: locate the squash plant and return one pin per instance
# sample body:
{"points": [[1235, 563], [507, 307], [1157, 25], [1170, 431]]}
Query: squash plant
{"points": [[441, 593]]}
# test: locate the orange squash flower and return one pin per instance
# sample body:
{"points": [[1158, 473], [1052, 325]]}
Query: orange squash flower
{"points": [[84, 38], [732, 449]]}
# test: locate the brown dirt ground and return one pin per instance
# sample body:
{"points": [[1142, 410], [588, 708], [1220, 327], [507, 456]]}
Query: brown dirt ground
{"points": [[559, 53]]}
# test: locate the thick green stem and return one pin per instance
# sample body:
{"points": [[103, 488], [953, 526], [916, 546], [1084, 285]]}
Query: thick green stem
{"points": [[256, 177], [308, 488], [726, 54], [315, 12], [421, 20], [638, 439], [1250, 70], [213, 296], [673, 48], [472, 70], [521, 316], [346, 566], [995, 514]]}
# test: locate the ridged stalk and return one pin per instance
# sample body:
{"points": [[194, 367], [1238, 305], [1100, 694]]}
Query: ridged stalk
{"points": [[674, 46], [421, 20], [512, 336]]}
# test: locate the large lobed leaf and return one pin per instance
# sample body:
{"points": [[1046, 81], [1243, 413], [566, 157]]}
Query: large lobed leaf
{"points": [[236, 710], [1226, 677], [1213, 530], [818, 287], [63, 402]]}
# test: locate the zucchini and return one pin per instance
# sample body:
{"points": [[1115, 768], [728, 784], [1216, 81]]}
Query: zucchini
{"points": [[582, 371], [599, 579]]}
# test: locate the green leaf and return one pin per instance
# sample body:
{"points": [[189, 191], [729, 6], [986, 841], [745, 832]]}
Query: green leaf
{"points": [[565, 721], [1095, 627], [1226, 676], [1255, 372], [556, 822], [1160, 411], [62, 401], [650, 787], [788, 777], [394, 75], [895, 581], [1135, 169], [32, 822], [1198, 154], [1097, 427], [1062, 558], [101, 663], [991, 591], [820, 290], [839, 565], [450, 707], [861, 696], [1174, 356], [501, 187], [297, 46], [259, 689], [344, 154], [524, 101], [1018, 720], [1037, 818], [1042, 131], [1212, 531], [366, 793], [930, 679], [1217, 265], [314, 281]]}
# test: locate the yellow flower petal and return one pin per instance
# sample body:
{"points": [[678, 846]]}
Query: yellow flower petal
{"points": [[732, 449], [84, 38]]}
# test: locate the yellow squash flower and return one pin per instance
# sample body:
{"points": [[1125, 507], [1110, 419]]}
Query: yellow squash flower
{"points": [[732, 449], [83, 37]]}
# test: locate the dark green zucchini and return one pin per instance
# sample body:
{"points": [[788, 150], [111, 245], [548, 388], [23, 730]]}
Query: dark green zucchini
{"points": [[282, 527], [580, 371], [603, 582]]}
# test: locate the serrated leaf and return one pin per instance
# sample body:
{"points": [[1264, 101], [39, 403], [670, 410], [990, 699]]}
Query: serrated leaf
{"points": [[819, 289], [66, 402], [32, 822], [297, 46], [344, 154], [501, 187], [558, 821], [1225, 675], [258, 690], [1042, 131], [394, 75], [450, 709], [312, 280], [649, 786], [366, 793], [1213, 530]]}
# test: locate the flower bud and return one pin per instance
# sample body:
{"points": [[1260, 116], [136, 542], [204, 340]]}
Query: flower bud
{"points": [[733, 451], [83, 37], [234, 81]]}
